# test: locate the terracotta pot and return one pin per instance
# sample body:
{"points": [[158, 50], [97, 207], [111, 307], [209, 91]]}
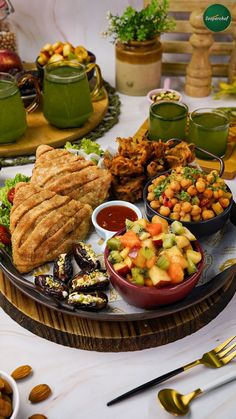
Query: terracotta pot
{"points": [[138, 66]]}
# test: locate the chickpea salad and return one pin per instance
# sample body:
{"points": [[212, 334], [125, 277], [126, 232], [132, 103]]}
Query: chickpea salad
{"points": [[189, 194]]}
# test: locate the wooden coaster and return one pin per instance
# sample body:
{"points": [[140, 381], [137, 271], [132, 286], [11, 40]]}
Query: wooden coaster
{"points": [[114, 336]]}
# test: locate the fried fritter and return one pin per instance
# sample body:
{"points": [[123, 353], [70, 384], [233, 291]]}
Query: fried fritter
{"points": [[139, 159]]}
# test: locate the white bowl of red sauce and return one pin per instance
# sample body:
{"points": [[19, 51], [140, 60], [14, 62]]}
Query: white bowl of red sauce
{"points": [[109, 217]]}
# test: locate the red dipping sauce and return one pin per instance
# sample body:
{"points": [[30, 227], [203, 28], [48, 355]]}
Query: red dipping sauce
{"points": [[113, 218]]}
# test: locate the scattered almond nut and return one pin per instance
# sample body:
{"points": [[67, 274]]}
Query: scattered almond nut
{"points": [[21, 372], [39, 393], [37, 416]]}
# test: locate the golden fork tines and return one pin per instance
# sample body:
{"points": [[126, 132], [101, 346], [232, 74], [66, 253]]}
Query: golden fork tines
{"points": [[215, 358]]}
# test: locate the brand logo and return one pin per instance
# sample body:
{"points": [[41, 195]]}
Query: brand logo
{"points": [[217, 17]]}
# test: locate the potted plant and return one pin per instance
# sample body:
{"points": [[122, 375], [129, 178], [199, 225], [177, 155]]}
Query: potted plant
{"points": [[138, 49]]}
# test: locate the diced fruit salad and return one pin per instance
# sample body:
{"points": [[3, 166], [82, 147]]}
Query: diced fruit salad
{"points": [[154, 254]]}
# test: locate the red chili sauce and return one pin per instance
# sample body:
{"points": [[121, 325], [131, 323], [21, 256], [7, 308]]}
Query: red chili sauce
{"points": [[113, 218]]}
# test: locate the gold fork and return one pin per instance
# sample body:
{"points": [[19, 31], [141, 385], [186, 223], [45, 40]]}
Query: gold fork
{"points": [[215, 358]]}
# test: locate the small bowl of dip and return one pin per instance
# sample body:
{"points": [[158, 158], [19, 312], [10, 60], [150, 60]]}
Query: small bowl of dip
{"points": [[109, 217]]}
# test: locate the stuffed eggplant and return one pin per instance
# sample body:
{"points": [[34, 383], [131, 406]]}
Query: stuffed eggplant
{"points": [[51, 286], [63, 268], [94, 301], [90, 281], [85, 257]]}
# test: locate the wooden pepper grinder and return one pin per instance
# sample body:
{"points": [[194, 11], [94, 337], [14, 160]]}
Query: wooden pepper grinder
{"points": [[199, 71], [232, 62]]}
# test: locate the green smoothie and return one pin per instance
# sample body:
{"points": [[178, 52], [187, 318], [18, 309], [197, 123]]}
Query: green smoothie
{"points": [[12, 113], [66, 102], [167, 120], [209, 130]]}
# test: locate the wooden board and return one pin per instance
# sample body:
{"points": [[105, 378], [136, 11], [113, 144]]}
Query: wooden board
{"points": [[107, 336], [229, 158], [39, 131]]}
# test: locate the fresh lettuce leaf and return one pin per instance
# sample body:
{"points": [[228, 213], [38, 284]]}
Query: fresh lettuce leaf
{"points": [[5, 207], [88, 146], [11, 183], [69, 145], [5, 216]]}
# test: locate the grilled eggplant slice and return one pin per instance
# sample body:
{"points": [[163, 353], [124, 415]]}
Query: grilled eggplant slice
{"points": [[51, 286], [90, 281], [62, 267], [85, 257], [93, 301]]}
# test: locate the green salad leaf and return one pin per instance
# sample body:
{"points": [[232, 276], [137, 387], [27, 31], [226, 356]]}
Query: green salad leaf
{"points": [[87, 145], [5, 216], [5, 207]]}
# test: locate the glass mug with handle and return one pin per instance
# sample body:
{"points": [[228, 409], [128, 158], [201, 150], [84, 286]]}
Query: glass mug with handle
{"points": [[67, 100], [13, 122]]}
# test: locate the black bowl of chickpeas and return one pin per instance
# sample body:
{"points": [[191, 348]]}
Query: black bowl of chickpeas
{"points": [[201, 201]]}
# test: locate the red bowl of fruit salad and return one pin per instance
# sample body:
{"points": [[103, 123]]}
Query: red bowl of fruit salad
{"points": [[152, 264]]}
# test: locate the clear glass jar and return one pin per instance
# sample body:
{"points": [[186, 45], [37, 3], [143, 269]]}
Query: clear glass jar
{"points": [[7, 34]]}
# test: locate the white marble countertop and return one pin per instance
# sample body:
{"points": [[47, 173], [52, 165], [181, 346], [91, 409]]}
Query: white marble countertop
{"points": [[82, 381]]}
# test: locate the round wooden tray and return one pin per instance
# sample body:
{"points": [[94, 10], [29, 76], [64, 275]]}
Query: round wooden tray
{"points": [[115, 336]]}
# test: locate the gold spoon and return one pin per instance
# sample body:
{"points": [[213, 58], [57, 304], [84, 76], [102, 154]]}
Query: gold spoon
{"points": [[178, 404]]}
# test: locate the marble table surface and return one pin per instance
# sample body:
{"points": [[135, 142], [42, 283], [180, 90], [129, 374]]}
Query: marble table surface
{"points": [[82, 381]]}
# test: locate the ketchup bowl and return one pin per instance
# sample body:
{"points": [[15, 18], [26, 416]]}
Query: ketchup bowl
{"points": [[109, 217]]}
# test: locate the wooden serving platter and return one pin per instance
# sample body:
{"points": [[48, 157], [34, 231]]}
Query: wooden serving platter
{"points": [[229, 158], [39, 131], [115, 336]]}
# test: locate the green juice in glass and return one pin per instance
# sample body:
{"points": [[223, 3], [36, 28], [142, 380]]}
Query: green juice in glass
{"points": [[12, 111], [66, 102], [167, 120], [208, 129]]}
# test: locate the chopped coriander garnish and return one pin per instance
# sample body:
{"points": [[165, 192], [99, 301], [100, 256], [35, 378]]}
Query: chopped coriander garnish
{"points": [[195, 200], [191, 173], [159, 189], [183, 196]]}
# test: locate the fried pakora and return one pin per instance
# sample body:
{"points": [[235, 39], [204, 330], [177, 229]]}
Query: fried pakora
{"points": [[139, 159]]}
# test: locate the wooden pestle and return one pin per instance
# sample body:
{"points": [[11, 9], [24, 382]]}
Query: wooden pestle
{"points": [[199, 71]]}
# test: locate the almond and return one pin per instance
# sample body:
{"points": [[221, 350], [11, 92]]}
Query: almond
{"points": [[21, 372], [7, 388], [37, 416], [1, 384], [5, 408], [39, 393]]}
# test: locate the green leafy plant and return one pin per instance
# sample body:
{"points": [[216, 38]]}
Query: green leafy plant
{"points": [[141, 25]]}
